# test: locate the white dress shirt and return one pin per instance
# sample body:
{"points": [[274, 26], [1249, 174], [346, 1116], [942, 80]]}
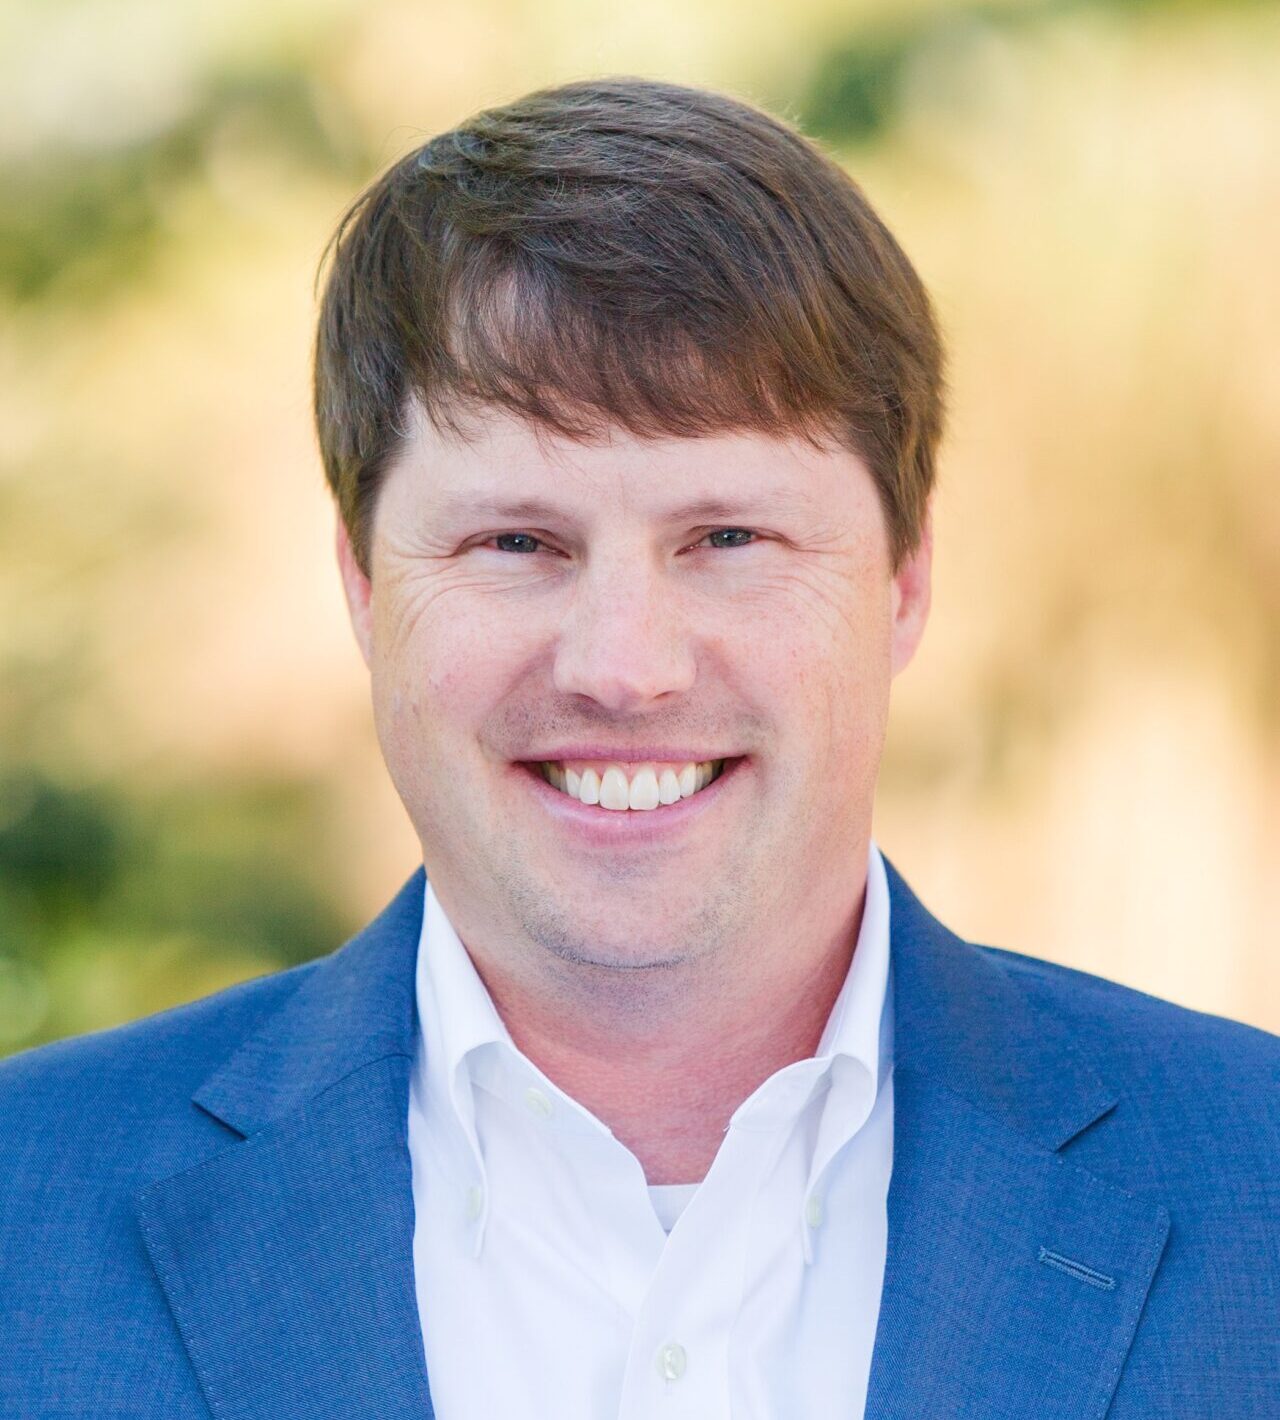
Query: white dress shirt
{"points": [[554, 1284]]}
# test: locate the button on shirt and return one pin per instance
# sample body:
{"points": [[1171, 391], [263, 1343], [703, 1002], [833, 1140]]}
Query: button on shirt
{"points": [[553, 1281]]}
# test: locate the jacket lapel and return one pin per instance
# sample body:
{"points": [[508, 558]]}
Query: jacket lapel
{"points": [[287, 1257], [1014, 1279]]}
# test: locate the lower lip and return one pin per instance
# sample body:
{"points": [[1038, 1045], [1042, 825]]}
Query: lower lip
{"points": [[627, 827]]}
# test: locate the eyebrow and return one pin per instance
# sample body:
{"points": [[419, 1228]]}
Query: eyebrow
{"points": [[718, 509]]}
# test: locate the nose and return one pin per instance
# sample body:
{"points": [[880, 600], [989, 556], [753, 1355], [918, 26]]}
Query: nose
{"points": [[623, 642]]}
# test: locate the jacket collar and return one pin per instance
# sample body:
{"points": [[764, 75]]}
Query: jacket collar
{"points": [[356, 1007], [958, 1016], [287, 1257], [961, 1017], [1014, 1279]]}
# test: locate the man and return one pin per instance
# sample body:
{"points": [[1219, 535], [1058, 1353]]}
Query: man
{"points": [[660, 1093]]}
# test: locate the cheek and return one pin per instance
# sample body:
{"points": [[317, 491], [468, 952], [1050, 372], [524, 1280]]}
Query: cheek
{"points": [[828, 604], [817, 663], [442, 665], [824, 633], [431, 682]]}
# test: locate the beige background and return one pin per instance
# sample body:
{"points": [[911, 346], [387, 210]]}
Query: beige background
{"points": [[1085, 758]]}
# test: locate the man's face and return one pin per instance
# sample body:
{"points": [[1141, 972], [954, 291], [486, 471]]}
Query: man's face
{"points": [[642, 604]]}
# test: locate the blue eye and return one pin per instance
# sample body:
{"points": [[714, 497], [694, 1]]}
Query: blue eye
{"points": [[739, 533], [528, 542]]}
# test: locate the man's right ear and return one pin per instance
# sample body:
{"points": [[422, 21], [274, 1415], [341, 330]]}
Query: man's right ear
{"points": [[358, 590]]}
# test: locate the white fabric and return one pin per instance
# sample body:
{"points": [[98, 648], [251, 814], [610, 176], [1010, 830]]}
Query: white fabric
{"points": [[670, 1200], [547, 1284]]}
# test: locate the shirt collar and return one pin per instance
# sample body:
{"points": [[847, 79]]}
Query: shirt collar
{"points": [[464, 1042], [451, 995], [859, 1026], [855, 1049], [458, 1017]]}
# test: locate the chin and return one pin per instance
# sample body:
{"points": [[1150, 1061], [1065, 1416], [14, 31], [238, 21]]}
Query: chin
{"points": [[589, 940], [628, 958]]}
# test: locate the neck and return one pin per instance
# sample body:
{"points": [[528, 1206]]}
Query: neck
{"points": [[665, 1060]]}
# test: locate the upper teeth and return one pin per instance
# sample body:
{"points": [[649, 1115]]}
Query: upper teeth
{"points": [[648, 786]]}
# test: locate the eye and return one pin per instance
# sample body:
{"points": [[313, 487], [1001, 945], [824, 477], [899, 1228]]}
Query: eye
{"points": [[740, 536], [526, 542]]}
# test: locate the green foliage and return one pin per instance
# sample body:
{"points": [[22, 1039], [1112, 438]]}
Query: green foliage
{"points": [[119, 898], [113, 904], [94, 216], [854, 93], [857, 87]]}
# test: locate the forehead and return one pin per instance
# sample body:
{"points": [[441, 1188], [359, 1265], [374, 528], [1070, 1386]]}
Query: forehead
{"points": [[498, 462]]}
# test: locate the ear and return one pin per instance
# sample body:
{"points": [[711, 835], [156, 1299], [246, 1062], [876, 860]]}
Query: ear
{"points": [[358, 590], [911, 591]]}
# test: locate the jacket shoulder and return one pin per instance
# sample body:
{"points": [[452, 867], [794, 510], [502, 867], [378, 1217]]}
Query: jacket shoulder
{"points": [[1135, 1026], [146, 1068], [1198, 1096], [1195, 1127], [86, 1121]]}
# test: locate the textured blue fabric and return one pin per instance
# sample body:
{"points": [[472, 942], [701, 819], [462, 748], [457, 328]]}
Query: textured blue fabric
{"points": [[209, 1212]]}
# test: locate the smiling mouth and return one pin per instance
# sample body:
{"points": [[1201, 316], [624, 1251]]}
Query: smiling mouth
{"points": [[624, 788]]}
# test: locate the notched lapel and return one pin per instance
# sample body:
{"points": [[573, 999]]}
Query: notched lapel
{"points": [[288, 1260], [973, 1322], [1014, 1279]]}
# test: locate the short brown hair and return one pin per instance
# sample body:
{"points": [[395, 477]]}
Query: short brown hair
{"points": [[630, 252]]}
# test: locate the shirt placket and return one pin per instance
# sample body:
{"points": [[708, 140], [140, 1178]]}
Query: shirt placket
{"points": [[678, 1364]]}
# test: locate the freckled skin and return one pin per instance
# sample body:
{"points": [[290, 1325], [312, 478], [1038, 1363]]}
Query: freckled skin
{"points": [[615, 969]]}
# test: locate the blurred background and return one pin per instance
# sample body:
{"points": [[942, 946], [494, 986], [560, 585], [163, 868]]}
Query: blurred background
{"points": [[1084, 760]]}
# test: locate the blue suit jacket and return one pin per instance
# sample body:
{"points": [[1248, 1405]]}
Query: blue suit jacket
{"points": [[209, 1212]]}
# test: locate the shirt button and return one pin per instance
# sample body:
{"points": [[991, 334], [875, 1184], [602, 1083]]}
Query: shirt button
{"points": [[813, 1211], [671, 1361], [475, 1202], [537, 1102]]}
